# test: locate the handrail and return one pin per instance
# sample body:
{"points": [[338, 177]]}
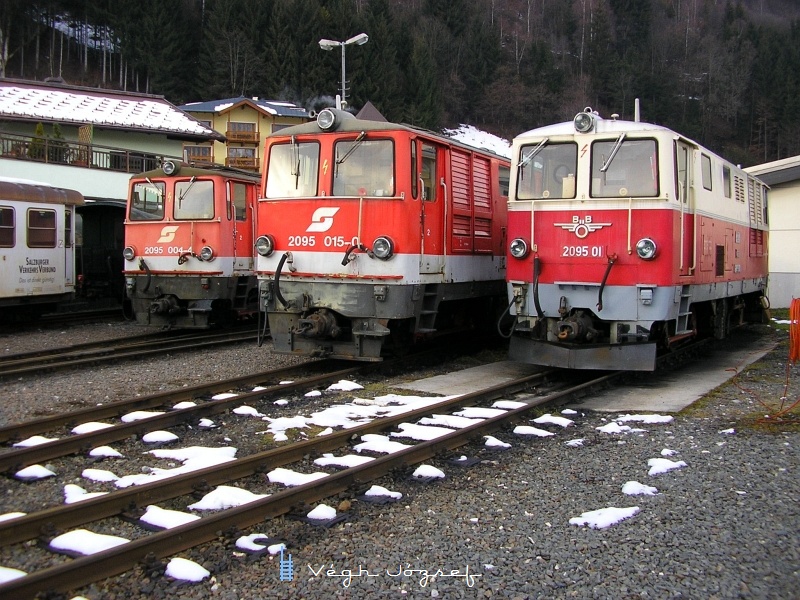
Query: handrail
{"points": [[78, 154]]}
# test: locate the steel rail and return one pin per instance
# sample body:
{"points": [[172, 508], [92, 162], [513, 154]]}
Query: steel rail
{"points": [[85, 570]]}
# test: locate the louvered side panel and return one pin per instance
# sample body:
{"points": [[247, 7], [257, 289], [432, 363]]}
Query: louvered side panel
{"points": [[461, 239]]}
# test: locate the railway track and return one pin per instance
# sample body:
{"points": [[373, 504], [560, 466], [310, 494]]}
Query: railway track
{"points": [[72, 574], [111, 350]]}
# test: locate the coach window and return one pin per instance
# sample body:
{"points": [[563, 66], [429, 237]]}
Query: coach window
{"points": [[624, 168], [194, 199], [705, 165], [363, 168], [147, 201], [6, 227], [68, 228], [41, 228], [547, 170], [293, 170]]}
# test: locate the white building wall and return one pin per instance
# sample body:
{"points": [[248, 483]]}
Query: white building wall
{"points": [[784, 244], [92, 183]]}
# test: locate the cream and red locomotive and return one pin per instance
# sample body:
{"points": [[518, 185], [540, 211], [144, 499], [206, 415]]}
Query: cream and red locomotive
{"points": [[189, 246], [37, 247], [372, 235], [627, 238]]}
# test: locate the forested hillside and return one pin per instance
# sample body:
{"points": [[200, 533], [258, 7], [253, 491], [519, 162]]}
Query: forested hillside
{"points": [[724, 73]]}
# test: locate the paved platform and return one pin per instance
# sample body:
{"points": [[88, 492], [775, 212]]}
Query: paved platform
{"points": [[663, 392]]}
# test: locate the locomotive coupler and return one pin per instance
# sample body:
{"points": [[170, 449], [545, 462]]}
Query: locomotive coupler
{"points": [[319, 324], [167, 305], [577, 328]]}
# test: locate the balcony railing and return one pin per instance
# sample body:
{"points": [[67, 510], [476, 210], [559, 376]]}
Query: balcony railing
{"points": [[76, 154], [242, 137], [242, 162]]}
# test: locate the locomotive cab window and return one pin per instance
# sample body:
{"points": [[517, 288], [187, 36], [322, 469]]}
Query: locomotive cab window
{"points": [[238, 193], [7, 227], [293, 170], [428, 175], [363, 168], [41, 228], [147, 201], [194, 200], [705, 163], [623, 168], [547, 170]]}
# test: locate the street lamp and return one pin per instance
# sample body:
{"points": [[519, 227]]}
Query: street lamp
{"points": [[360, 39]]}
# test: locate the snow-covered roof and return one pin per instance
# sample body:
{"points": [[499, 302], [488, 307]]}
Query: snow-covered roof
{"points": [[271, 107], [35, 101]]}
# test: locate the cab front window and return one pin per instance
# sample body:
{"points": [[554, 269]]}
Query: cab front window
{"points": [[293, 170], [147, 201], [364, 168], [626, 168], [194, 200], [547, 170]]}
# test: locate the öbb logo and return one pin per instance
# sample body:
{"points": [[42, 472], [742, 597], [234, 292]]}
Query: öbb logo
{"points": [[322, 219], [167, 234]]}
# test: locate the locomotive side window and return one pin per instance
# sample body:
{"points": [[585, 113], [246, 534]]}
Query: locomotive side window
{"points": [[681, 172], [705, 164], [293, 170], [147, 201], [194, 200], [428, 175], [726, 180], [547, 170], [624, 168], [41, 228], [6, 227], [364, 168], [239, 193], [505, 178]]}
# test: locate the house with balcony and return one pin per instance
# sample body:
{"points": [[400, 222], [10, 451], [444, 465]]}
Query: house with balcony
{"points": [[89, 139], [245, 122]]}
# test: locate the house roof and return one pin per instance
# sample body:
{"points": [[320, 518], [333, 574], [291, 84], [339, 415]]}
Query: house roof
{"points": [[779, 171], [104, 109], [273, 108]]}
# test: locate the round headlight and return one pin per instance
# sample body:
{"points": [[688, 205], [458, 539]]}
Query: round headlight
{"points": [[326, 119], [170, 167], [584, 121], [518, 248], [129, 253], [207, 253], [265, 245], [646, 249], [383, 247]]}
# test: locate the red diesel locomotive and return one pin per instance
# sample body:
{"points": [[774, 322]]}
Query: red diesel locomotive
{"points": [[189, 246], [373, 235], [626, 239]]}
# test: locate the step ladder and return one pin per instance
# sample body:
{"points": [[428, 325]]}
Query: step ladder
{"points": [[240, 295], [684, 322], [426, 320]]}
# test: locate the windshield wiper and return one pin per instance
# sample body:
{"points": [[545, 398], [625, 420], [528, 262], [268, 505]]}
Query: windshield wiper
{"points": [[295, 166], [186, 191], [154, 189], [355, 145], [533, 153], [614, 151]]}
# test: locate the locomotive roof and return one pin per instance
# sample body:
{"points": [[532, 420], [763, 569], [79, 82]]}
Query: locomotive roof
{"points": [[602, 126], [348, 123], [24, 190], [202, 171]]}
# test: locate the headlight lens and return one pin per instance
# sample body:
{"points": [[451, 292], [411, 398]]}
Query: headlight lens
{"points": [[170, 167], [646, 249], [265, 245], [518, 248], [584, 121], [129, 253], [207, 253], [383, 247], [326, 119]]}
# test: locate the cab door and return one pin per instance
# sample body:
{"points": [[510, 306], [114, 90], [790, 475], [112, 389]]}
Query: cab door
{"points": [[241, 198], [432, 202], [685, 195]]}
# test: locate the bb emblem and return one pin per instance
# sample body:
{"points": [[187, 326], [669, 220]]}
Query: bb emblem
{"points": [[582, 227], [167, 234]]}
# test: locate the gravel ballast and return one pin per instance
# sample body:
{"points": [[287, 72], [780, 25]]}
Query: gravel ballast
{"points": [[725, 525]]}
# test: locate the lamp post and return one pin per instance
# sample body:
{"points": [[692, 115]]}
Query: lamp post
{"points": [[360, 39]]}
